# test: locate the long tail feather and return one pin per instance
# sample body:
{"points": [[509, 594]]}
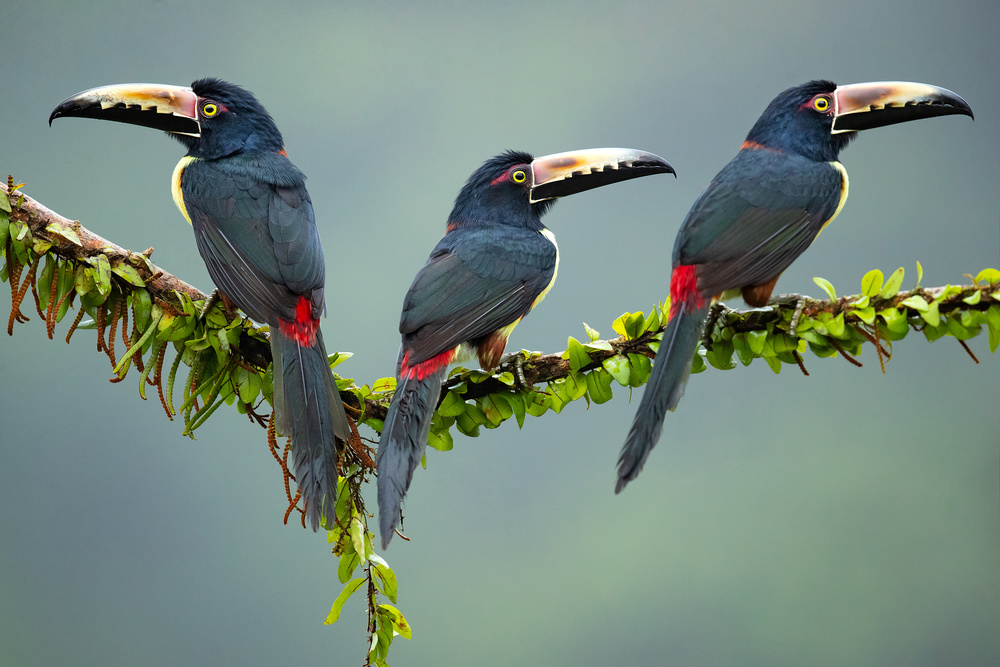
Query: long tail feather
{"points": [[402, 445], [664, 390], [307, 406]]}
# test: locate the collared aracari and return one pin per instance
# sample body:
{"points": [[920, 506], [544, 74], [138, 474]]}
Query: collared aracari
{"points": [[761, 212], [495, 263], [254, 226]]}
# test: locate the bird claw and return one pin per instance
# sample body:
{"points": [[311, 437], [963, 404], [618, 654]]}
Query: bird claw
{"points": [[715, 312], [516, 362], [786, 300], [228, 307]]}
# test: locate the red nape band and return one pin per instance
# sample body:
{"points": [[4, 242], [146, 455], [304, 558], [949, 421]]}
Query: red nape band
{"points": [[754, 146], [684, 289], [303, 329], [425, 368]]}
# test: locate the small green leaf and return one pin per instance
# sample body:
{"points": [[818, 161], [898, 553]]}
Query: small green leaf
{"points": [[920, 273], [128, 273], [502, 405], [932, 315], [756, 340], [575, 386], [915, 302], [892, 285], [599, 386], [827, 287], [467, 425], [641, 368], [440, 440], [338, 358], [352, 587], [973, 298], [64, 231], [698, 363], [517, 405], [593, 334], [721, 355], [872, 283], [575, 354], [452, 405], [357, 531], [506, 378], [630, 325], [743, 352], [383, 385], [540, 402], [348, 563], [103, 277], [895, 321], [993, 326], [991, 276], [399, 624], [866, 315], [384, 577], [619, 368]]}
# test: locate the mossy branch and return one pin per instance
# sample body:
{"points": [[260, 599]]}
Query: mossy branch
{"points": [[227, 359]]}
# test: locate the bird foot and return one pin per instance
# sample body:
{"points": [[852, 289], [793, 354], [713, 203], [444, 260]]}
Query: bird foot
{"points": [[799, 301], [215, 297], [717, 310], [516, 362]]}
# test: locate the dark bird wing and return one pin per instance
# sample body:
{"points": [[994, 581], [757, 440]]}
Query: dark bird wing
{"points": [[474, 283], [759, 214], [258, 236]]}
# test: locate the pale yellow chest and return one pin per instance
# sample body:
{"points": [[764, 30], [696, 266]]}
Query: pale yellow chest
{"points": [[175, 185], [843, 193]]}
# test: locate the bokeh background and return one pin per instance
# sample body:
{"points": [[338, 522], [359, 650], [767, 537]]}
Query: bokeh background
{"points": [[846, 518]]}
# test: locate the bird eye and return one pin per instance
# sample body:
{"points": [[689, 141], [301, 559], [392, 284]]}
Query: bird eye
{"points": [[821, 103], [519, 176], [209, 109]]}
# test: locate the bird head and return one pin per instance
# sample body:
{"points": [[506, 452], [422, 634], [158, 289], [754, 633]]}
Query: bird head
{"points": [[514, 188], [213, 118], [818, 119]]}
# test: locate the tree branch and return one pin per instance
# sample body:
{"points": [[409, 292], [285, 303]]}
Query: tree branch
{"points": [[228, 358]]}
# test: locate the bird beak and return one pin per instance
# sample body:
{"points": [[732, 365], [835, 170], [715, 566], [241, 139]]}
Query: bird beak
{"points": [[168, 108], [860, 106], [564, 174]]}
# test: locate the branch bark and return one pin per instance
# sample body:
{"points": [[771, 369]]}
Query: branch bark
{"points": [[38, 217]]}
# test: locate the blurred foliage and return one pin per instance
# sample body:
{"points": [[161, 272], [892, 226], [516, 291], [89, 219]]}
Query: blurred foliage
{"points": [[226, 360]]}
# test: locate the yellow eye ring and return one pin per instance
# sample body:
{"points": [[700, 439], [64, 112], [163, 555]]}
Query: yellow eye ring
{"points": [[519, 176], [209, 109], [821, 104]]}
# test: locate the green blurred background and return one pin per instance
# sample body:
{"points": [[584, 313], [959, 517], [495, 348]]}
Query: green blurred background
{"points": [[846, 518]]}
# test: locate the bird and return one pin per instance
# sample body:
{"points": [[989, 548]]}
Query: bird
{"points": [[495, 263], [758, 215], [255, 228]]}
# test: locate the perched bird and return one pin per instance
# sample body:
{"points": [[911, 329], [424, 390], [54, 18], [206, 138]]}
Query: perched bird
{"points": [[254, 226], [495, 263], [761, 212]]}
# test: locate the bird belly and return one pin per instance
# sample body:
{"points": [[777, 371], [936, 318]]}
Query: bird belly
{"points": [[843, 194], [175, 185]]}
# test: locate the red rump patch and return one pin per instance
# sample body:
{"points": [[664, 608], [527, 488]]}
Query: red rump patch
{"points": [[684, 289], [425, 368], [303, 329]]}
